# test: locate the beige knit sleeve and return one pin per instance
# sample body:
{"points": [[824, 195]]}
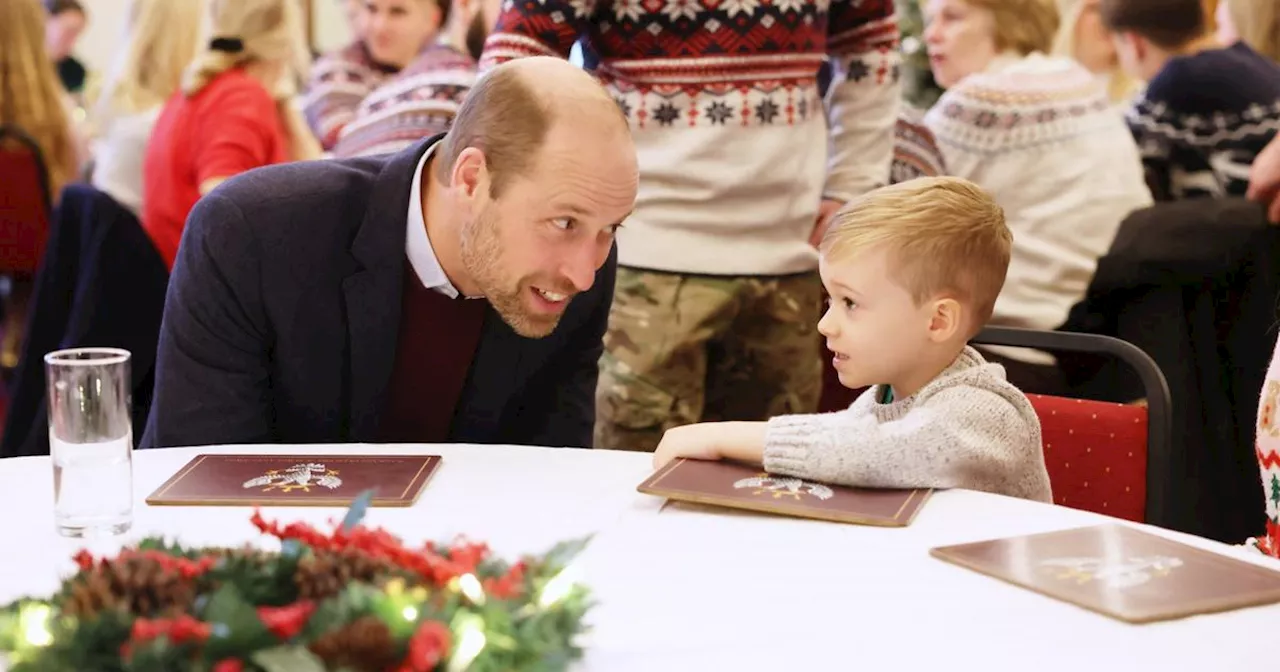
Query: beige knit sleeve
{"points": [[962, 437]]}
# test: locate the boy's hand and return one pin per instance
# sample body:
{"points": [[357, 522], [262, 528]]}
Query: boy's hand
{"points": [[697, 442], [742, 441]]}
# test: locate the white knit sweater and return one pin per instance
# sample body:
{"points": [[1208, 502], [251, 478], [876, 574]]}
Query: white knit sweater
{"points": [[968, 428], [1040, 135]]}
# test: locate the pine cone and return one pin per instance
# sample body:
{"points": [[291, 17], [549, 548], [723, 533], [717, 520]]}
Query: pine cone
{"points": [[138, 585], [326, 573], [364, 645]]}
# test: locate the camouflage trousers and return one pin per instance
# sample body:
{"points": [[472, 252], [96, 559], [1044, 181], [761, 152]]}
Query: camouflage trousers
{"points": [[688, 348]]}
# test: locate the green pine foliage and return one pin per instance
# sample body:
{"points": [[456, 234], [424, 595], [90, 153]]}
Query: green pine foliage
{"points": [[247, 610]]}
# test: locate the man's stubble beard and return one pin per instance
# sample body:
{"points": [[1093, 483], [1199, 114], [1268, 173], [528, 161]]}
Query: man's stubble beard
{"points": [[480, 252]]}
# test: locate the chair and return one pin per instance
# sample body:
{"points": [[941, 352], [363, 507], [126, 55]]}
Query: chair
{"points": [[1195, 284], [25, 201], [101, 283], [1103, 457]]}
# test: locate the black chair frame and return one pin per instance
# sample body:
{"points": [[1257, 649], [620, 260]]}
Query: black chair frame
{"points": [[1159, 401]]}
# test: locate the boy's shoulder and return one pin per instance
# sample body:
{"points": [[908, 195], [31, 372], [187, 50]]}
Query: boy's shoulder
{"points": [[973, 373]]}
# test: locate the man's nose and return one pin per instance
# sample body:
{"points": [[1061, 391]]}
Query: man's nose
{"points": [[581, 268]]}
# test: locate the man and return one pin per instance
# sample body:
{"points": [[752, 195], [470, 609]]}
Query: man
{"points": [[323, 302], [718, 291], [423, 99]]}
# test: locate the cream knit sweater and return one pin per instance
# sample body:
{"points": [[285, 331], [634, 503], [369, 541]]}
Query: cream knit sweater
{"points": [[1041, 135], [968, 428]]}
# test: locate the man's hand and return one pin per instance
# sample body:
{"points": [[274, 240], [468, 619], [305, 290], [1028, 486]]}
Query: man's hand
{"points": [[743, 441], [1264, 180], [825, 211]]}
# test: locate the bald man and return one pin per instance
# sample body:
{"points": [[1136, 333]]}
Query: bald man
{"points": [[457, 291]]}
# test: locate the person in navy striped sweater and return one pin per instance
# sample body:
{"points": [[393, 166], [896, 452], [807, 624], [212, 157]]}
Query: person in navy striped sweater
{"points": [[1209, 109]]}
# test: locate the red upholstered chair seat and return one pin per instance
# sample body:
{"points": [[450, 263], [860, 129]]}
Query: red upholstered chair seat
{"points": [[1096, 454], [24, 208]]}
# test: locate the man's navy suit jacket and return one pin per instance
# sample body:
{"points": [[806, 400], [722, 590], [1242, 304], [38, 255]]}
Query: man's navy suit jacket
{"points": [[282, 316]]}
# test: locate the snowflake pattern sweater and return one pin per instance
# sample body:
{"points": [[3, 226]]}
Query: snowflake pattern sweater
{"points": [[735, 147], [339, 81], [1203, 119], [417, 103], [1268, 447], [1041, 136]]}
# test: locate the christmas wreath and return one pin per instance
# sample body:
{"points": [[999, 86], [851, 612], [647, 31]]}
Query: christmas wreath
{"points": [[355, 599]]}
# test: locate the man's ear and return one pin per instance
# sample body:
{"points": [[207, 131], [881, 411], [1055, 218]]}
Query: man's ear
{"points": [[946, 319], [470, 174]]}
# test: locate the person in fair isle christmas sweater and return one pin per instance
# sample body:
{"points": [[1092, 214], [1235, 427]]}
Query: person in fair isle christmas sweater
{"points": [[422, 100], [1208, 109], [390, 33], [741, 163], [1040, 133], [1268, 446]]}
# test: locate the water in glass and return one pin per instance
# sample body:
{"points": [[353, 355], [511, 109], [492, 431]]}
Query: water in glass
{"points": [[93, 486]]}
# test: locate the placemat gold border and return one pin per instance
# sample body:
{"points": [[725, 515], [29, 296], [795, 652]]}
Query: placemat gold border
{"points": [[419, 480], [650, 486], [1187, 610]]}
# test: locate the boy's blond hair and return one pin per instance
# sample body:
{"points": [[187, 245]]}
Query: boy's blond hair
{"points": [[945, 236]]}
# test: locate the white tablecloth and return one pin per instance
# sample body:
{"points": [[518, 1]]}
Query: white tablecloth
{"points": [[683, 587]]}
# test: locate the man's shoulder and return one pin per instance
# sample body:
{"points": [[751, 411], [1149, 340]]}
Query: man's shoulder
{"points": [[290, 207], [304, 185]]}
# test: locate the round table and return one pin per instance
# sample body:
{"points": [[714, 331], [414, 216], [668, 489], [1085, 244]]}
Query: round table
{"points": [[689, 587]]}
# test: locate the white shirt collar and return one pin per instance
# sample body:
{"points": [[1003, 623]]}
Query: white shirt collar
{"points": [[417, 245]]}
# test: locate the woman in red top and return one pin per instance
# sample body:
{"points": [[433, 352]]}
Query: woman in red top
{"points": [[233, 114]]}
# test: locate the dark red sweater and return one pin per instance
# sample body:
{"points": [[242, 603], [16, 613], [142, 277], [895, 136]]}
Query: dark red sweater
{"points": [[438, 338]]}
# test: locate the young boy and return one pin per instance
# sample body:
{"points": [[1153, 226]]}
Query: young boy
{"points": [[913, 271], [1209, 109]]}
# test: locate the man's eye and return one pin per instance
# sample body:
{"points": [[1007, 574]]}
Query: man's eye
{"points": [[563, 223]]}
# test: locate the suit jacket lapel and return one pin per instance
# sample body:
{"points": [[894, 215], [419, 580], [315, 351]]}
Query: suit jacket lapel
{"points": [[373, 292]]}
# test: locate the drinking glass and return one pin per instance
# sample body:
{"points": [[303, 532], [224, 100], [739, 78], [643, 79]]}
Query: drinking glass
{"points": [[90, 440]]}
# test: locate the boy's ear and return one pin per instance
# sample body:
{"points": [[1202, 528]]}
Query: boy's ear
{"points": [[946, 321]]}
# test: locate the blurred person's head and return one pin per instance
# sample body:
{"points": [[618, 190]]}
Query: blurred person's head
{"points": [[1148, 33], [396, 30], [160, 40], [1255, 22], [31, 95], [470, 23], [517, 212], [963, 37], [264, 36], [63, 26], [1084, 38]]}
